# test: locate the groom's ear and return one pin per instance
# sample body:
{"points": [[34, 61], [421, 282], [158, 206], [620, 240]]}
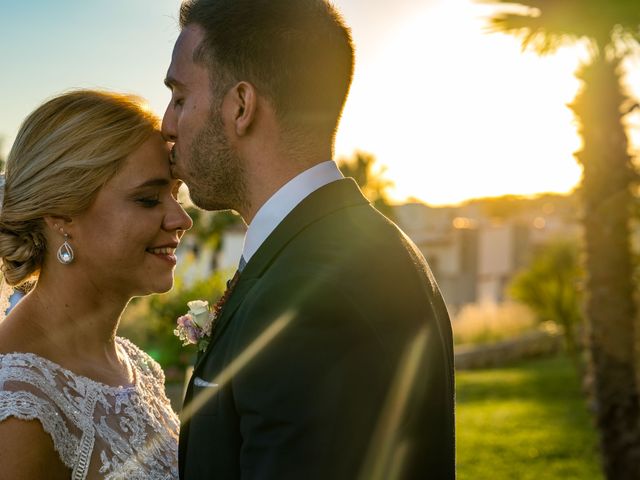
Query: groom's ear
{"points": [[244, 100]]}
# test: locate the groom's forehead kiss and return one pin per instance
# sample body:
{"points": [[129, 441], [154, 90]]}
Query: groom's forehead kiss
{"points": [[191, 90]]}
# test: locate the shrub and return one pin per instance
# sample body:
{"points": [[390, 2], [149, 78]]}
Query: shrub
{"points": [[481, 323]]}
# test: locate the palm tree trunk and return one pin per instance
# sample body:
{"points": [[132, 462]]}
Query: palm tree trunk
{"points": [[609, 308]]}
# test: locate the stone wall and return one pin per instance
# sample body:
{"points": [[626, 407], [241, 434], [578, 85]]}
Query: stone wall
{"points": [[530, 345]]}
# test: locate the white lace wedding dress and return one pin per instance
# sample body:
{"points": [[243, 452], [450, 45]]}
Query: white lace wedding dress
{"points": [[98, 431]]}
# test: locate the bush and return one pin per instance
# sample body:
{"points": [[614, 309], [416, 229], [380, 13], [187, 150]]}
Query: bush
{"points": [[551, 287], [489, 323]]}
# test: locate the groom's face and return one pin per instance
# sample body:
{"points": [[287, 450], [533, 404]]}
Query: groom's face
{"points": [[202, 155]]}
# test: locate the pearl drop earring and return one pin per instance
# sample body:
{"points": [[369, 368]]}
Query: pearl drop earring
{"points": [[65, 252]]}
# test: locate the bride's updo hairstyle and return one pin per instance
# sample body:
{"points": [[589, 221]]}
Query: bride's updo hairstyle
{"points": [[65, 151]]}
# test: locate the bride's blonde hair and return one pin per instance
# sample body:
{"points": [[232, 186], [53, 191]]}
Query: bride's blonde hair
{"points": [[65, 151]]}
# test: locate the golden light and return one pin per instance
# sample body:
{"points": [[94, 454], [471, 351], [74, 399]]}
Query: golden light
{"points": [[455, 112], [462, 223]]}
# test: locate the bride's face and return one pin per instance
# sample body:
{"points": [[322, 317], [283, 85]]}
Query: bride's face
{"points": [[125, 242]]}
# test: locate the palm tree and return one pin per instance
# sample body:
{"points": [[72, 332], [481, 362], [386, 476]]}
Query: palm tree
{"points": [[610, 30], [361, 166]]}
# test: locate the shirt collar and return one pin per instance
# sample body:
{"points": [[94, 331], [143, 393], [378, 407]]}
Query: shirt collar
{"points": [[284, 201]]}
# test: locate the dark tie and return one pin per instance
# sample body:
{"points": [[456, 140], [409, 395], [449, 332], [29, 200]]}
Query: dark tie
{"points": [[233, 280], [231, 283]]}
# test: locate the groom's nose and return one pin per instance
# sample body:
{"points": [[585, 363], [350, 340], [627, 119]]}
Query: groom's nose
{"points": [[168, 128]]}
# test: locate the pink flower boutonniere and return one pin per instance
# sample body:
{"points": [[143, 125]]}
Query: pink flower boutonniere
{"points": [[195, 327]]}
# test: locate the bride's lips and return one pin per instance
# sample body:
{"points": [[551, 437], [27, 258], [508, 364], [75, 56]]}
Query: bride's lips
{"points": [[165, 252]]}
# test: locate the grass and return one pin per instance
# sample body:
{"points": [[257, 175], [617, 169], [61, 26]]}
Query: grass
{"points": [[529, 421]]}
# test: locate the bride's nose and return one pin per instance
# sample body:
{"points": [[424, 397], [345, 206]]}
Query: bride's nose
{"points": [[177, 219]]}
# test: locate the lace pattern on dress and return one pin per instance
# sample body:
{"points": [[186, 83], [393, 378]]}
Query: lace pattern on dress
{"points": [[98, 431], [26, 406]]}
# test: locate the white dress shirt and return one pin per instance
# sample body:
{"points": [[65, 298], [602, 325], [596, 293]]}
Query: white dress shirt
{"points": [[284, 201]]}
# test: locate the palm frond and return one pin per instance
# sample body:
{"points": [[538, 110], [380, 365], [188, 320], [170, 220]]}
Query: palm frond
{"points": [[544, 25], [533, 31]]}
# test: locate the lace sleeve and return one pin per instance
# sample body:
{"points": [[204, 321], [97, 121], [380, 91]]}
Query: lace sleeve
{"points": [[28, 395], [99, 431]]}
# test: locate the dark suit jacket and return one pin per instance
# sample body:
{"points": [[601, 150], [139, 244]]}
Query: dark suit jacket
{"points": [[354, 375]]}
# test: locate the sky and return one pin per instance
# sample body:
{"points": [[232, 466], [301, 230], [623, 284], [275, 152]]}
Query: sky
{"points": [[450, 111]]}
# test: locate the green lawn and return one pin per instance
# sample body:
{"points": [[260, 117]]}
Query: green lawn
{"points": [[527, 421]]}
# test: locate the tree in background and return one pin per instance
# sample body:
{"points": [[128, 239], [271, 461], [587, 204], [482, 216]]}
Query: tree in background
{"points": [[208, 230], [610, 29], [550, 287], [362, 168]]}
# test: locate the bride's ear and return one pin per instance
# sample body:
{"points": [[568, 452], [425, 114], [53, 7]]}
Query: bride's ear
{"points": [[243, 104], [58, 224]]}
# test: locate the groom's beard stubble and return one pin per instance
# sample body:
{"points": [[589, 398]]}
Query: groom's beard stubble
{"points": [[217, 176]]}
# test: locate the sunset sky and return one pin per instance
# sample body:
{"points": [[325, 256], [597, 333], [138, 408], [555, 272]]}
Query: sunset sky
{"points": [[451, 111]]}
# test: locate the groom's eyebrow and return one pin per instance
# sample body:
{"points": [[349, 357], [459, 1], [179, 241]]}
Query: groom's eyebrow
{"points": [[171, 82]]}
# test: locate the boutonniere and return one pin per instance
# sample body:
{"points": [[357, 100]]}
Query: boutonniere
{"points": [[196, 326]]}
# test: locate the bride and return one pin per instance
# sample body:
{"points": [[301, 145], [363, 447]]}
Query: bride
{"points": [[90, 214]]}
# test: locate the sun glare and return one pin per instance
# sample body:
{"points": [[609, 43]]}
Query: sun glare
{"points": [[456, 113]]}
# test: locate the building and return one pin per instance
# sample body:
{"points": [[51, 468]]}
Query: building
{"points": [[473, 253]]}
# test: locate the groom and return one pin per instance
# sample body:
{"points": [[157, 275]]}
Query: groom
{"points": [[332, 357]]}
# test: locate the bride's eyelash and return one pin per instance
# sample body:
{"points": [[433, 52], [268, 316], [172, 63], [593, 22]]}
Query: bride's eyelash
{"points": [[148, 202]]}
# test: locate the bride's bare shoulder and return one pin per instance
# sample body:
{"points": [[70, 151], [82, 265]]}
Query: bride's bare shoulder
{"points": [[12, 337], [27, 451], [16, 336]]}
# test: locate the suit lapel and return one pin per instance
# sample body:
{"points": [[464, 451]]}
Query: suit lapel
{"points": [[327, 199]]}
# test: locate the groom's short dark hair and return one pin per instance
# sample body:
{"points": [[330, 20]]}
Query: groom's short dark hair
{"points": [[297, 53]]}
